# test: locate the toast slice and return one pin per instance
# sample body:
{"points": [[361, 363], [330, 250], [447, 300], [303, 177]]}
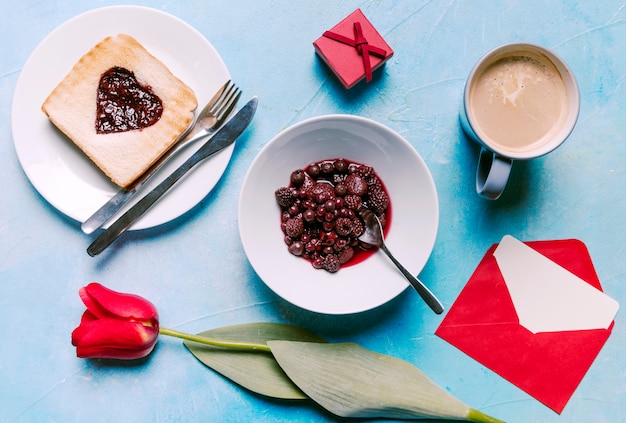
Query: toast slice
{"points": [[122, 107]]}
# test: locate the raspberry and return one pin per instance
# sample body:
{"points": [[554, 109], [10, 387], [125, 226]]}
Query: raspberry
{"points": [[294, 227], [357, 227], [284, 197], [331, 263], [356, 185], [343, 226], [377, 201]]}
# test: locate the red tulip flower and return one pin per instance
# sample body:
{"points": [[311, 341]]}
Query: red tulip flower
{"points": [[115, 325]]}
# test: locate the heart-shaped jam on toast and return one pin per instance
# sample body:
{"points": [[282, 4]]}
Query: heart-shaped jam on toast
{"points": [[124, 104]]}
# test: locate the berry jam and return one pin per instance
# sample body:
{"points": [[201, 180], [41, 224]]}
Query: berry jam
{"points": [[123, 104], [320, 207]]}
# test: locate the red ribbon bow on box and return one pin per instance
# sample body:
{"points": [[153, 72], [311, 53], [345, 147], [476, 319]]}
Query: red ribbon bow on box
{"points": [[361, 45]]}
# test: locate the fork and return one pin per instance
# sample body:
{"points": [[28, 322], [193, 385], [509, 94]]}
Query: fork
{"points": [[210, 119]]}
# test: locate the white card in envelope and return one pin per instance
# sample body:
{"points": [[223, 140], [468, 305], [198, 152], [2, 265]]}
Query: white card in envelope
{"points": [[547, 297]]}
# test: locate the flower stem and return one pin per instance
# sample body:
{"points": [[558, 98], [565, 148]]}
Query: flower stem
{"points": [[223, 343]]}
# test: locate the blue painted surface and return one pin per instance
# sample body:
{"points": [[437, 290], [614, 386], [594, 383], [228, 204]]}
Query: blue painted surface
{"points": [[196, 272]]}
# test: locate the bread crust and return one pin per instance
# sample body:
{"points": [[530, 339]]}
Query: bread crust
{"points": [[122, 156]]}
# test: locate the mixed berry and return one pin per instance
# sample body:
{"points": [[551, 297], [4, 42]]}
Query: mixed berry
{"points": [[320, 211]]}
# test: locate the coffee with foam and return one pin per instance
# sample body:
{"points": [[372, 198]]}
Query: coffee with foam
{"points": [[521, 101], [518, 102]]}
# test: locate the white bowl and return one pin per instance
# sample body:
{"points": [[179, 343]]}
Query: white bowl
{"points": [[411, 235]]}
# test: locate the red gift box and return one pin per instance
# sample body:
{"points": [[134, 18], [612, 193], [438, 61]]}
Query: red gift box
{"points": [[353, 49]]}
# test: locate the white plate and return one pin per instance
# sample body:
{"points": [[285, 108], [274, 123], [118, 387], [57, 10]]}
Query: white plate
{"points": [[411, 236], [61, 173]]}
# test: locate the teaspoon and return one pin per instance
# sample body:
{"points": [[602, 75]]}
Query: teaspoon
{"points": [[374, 235]]}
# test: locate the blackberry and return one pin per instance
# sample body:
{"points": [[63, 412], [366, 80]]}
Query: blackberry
{"points": [[294, 227], [377, 200], [368, 174], [364, 171], [284, 197], [353, 202]]}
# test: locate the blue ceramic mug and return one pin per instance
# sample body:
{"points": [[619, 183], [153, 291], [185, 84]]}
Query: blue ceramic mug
{"points": [[521, 101]]}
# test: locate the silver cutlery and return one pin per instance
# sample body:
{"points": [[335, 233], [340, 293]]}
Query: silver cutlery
{"points": [[373, 235], [212, 116], [225, 136]]}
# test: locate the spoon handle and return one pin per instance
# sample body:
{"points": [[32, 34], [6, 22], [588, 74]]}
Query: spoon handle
{"points": [[421, 289]]}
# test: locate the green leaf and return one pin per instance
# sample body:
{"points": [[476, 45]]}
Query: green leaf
{"points": [[351, 381], [254, 370]]}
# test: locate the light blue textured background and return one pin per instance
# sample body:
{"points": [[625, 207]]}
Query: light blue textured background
{"points": [[195, 270]]}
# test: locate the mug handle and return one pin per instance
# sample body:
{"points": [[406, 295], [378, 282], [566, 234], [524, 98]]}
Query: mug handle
{"points": [[492, 174]]}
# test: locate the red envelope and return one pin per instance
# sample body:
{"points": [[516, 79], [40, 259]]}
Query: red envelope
{"points": [[483, 323]]}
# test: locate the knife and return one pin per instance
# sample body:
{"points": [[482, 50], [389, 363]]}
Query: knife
{"points": [[124, 195], [225, 136]]}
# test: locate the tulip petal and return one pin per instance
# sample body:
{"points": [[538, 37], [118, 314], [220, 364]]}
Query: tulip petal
{"points": [[87, 317], [104, 302], [111, 338]]}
